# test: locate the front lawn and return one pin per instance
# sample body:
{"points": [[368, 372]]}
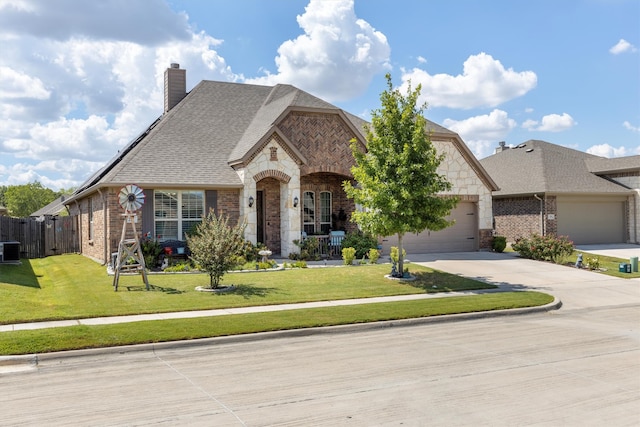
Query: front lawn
{"points": [[72, 287], [608, 265]]}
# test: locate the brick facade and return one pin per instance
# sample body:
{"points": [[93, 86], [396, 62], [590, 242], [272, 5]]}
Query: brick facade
{"points": [[323, 139], [517, 217]]}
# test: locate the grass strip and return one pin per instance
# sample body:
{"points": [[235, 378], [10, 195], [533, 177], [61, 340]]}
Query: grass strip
{"points": [[82, 337], [75, 287]]}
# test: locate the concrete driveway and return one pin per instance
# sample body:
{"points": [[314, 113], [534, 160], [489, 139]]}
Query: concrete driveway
{"points": [[576, 288], [622, 250]]}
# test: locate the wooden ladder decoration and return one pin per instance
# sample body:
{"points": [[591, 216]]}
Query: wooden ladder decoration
{"points": [[129, 249]]}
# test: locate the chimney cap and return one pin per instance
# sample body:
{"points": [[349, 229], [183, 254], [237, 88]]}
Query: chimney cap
{"points": [[502, 143], [175, 65]]}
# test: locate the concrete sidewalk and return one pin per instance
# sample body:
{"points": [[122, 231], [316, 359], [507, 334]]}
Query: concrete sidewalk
{"points": [[239, 310]]}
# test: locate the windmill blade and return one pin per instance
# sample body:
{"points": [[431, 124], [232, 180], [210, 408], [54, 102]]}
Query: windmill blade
{"points": [[131, 197]]}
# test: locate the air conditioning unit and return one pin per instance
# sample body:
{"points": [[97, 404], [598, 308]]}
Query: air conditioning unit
{"points": [[9, 251]]}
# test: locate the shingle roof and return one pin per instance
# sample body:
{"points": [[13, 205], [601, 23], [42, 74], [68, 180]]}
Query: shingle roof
{"points": [[54, 208], [192, 144], [603, 165], [541, 167]]}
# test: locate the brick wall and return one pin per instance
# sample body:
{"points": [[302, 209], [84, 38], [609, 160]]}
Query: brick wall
{"points": [[229, 205], [516, 217], [323, 139], [271, 190]]}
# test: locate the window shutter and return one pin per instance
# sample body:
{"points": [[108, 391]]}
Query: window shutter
{"points": [[210, 201], [148, 220]]}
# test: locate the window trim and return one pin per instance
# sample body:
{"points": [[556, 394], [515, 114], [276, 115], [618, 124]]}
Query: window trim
{"points": [[179, 218]]}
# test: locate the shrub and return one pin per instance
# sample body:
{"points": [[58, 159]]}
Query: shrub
{"points": [[374, 254], [393, 254], [361, 242], [348, 255], [544, 248], [309, 249], [216, 246], [151, 250], [593, 263], [499, 243]]}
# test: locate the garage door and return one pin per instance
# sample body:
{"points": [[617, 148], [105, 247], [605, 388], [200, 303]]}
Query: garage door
{"points": [[592, 222], [460, 237]]}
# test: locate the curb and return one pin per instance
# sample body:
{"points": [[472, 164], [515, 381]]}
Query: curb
{"points": [[32, 360]]}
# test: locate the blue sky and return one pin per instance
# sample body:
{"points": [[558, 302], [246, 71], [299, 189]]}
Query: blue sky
{"points": [[80, 79]]}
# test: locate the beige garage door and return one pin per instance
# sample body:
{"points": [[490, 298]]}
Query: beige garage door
{"points": [[460, 237], [592, 222]]}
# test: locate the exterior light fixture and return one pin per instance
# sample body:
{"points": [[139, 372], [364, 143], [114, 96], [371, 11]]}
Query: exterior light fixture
{"points": [[251, 201], [295, 202]]}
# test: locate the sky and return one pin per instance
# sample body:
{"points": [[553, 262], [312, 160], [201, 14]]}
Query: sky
{"points": [[80, 79]]}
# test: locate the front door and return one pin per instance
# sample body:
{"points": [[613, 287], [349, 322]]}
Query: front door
{"points": [[261, 238]]}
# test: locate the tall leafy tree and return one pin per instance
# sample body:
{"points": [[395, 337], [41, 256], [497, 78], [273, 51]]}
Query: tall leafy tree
{"points": [[22, 200], [397, 180]]}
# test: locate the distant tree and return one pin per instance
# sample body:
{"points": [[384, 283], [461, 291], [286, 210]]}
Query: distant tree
{"points": [[22, 200], [3, 189], [397, 180], [215, 246]]}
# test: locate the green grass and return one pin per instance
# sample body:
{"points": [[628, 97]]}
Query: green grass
{"points": [[608, 265], [73, 287], [81, 337]]}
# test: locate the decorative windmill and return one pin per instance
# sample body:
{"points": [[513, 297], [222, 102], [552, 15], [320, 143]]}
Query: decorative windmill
{"points": [[130, 257]]}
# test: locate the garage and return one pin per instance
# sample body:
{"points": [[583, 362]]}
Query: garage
{"points": [[460, 237], [592, 221]]}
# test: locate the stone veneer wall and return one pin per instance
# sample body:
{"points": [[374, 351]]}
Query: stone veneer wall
{"points": [[466, 182]]}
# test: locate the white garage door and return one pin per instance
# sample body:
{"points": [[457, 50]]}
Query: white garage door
{"points": [[460, 237], [592, 222]]}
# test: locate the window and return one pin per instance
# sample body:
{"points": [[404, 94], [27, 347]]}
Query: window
{"points": [[309, 212], [176, 212], [325, 212], [90, 213]]}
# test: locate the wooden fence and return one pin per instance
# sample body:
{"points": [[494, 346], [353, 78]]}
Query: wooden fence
{"points": [[41, 238]]}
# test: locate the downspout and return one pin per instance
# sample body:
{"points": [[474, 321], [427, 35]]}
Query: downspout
{"points": [[106, 237], [541, 214], [80, 230]]}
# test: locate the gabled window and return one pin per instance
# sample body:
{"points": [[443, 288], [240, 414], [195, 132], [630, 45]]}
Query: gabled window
{"points": [[176, 213]]}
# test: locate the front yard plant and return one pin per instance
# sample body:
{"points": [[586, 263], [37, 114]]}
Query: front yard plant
{"points": [[216, 247], [545, 248]]}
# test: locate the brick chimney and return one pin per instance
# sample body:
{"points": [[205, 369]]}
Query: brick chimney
{"points": [[175, 86], [501, 147]]}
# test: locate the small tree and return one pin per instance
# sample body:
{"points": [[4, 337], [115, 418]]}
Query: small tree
{"points": [[398, 183], [215, 246]]}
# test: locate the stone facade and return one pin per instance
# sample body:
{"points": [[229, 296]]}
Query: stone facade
{"points": [[467, 183]]}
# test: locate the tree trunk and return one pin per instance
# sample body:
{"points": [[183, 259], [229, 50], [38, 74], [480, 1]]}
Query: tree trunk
{"points": [[400, 257]]}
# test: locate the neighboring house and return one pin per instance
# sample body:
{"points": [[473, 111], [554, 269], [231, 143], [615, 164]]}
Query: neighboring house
{"points": [[55, 208], [272, 157], [553, 190]]}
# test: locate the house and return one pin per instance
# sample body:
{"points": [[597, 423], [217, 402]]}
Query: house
{"points": [[553, 190], [272, 157], [55, 208]]}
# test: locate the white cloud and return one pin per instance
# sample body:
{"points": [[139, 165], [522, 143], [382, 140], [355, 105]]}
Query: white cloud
{"points": [[630, 127], [550, 123], [484, 82], [336, 57], [621, 47], [76, 97], [606, 150], [422, 60], [480, 133], [14, 84]]}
